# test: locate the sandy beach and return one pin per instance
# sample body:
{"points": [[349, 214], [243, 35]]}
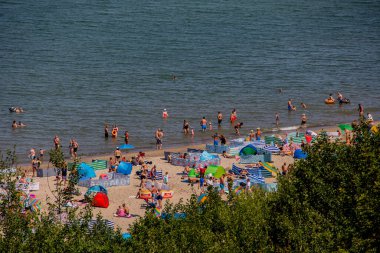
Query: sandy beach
{"points": [[127, 194]]}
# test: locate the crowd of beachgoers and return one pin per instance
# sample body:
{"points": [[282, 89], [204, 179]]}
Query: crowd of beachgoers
{"points": [[155, 179]]}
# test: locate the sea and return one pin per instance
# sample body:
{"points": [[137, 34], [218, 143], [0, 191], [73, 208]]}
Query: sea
{"points": [[74, 66]]}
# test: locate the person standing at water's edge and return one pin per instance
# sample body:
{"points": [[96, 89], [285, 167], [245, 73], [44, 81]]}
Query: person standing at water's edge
{"points": [[106, 134], [204, 124], [117, 154], [56, 142], [361, 110], [185, 127], [159, 134], [233, 116], [126, 137], [303, 119], [220, 118], [277, 119]]}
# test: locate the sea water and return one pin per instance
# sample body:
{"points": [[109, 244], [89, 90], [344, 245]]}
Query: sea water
{"points": [[77, 65]]}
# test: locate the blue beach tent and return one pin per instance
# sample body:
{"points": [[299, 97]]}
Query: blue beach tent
{"points": [[299, 154], [124, 168], [95, 189], [248, 150], [85, 171]]}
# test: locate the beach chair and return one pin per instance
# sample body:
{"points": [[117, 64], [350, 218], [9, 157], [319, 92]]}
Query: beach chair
{"points": [[236, 170]]}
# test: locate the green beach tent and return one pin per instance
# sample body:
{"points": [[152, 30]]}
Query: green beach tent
{"points": [[345, 126], [215, 170]]}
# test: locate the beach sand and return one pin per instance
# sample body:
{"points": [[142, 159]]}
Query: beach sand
{"points": [[126, 194]]}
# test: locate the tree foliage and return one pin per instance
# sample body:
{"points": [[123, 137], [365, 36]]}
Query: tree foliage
{"points": [[328, 202]]}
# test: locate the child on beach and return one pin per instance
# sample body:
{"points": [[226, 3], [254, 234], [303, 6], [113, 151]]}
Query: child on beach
{"points": [[210, 126]]}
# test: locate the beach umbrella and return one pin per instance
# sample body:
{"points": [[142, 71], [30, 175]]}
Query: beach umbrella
{"points": [[345, 126], [126, 146], [272, 149]]}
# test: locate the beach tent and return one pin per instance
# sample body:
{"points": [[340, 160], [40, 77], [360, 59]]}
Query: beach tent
{"points": [[345, 126], [205, 156], [308, 138], [248, 150], [215, 170], [124, 168], [299, 154], [95, 189], [192, 173], [100, 200], [85, 171]]}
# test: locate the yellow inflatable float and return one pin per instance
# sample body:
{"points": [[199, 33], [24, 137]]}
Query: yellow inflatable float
{"points": [[329, 101]]}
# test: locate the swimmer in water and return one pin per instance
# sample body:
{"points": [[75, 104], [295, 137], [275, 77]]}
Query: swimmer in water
{"points": [[277, 119], [165, 114], [303, 105], [290, 106], [14, 124]]}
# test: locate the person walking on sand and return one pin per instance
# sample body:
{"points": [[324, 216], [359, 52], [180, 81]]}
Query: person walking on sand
{"points": [[220, 119], [204, 124], [117, 154]]}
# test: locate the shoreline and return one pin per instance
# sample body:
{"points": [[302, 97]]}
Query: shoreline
{"points": [[200, 144]]}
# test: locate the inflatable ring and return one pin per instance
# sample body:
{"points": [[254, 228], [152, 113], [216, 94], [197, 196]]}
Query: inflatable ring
{"points": [[114, 132], [329, 101], [167, 194]]}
